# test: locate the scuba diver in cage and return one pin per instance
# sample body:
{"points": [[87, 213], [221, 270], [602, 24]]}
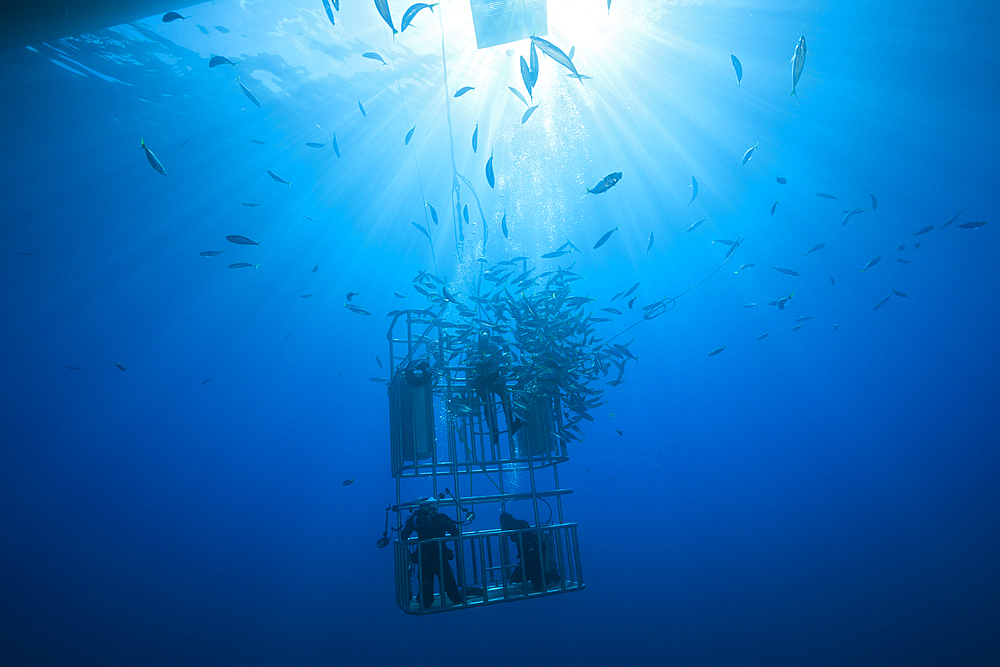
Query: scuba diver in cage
{"points": [[489, 380], [533, 560], [432, 558]]}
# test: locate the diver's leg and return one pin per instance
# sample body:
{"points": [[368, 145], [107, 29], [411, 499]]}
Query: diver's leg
{"points": [[513, 423], [450, 586], [490, 410], [427, 581], [533, 568]]}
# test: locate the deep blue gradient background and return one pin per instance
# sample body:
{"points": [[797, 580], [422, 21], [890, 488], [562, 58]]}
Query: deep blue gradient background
{"points": [[820, 497]]}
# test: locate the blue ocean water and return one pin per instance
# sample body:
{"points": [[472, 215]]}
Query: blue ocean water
{"points": [[827, 495]]}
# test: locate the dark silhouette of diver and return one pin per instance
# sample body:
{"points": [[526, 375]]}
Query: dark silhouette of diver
{"points": [[434, 556], [488, 380], [533, 560]]}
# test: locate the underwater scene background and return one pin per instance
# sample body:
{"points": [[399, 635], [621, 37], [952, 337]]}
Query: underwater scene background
{"points": [[177, 429]]}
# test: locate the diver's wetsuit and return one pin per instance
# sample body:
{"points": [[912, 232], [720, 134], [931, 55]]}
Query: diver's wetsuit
{"points": [[434, 557], [531, 558], [489, 381]]}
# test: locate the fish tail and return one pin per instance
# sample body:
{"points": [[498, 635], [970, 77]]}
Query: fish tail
{"points": [[793, 93], [142, 143]]}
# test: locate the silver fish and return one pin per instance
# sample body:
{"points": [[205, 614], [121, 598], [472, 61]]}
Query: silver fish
{"points": [[533, 65], [554, 52], [749, 153], [953, 218], [604, 238], [527, 114], [872, 263], [739, 69], [694, 190], [882, 302], [362, 107], [412, 12], [422, 229], [277, 178], [371, 55], [716, 351], [787, 272], [153, 161], [848, 215], [798, 62], [489, 171], [383, 10], [734, 247], [220, 60], [519, 95], [246, 91], [526, 76], [813, 249]]}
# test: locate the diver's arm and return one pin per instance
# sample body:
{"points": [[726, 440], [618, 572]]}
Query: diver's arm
{"points": [[407, 529], [449, 524]]}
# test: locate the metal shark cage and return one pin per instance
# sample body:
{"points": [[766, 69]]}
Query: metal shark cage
{"points": [[453, 445]]}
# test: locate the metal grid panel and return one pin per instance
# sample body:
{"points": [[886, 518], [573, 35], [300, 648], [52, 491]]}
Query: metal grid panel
{"points": [[504, 21]]}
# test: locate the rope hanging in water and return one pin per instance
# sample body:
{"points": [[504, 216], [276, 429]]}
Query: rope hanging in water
{"points": [[668, 303], [455, 186]]}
